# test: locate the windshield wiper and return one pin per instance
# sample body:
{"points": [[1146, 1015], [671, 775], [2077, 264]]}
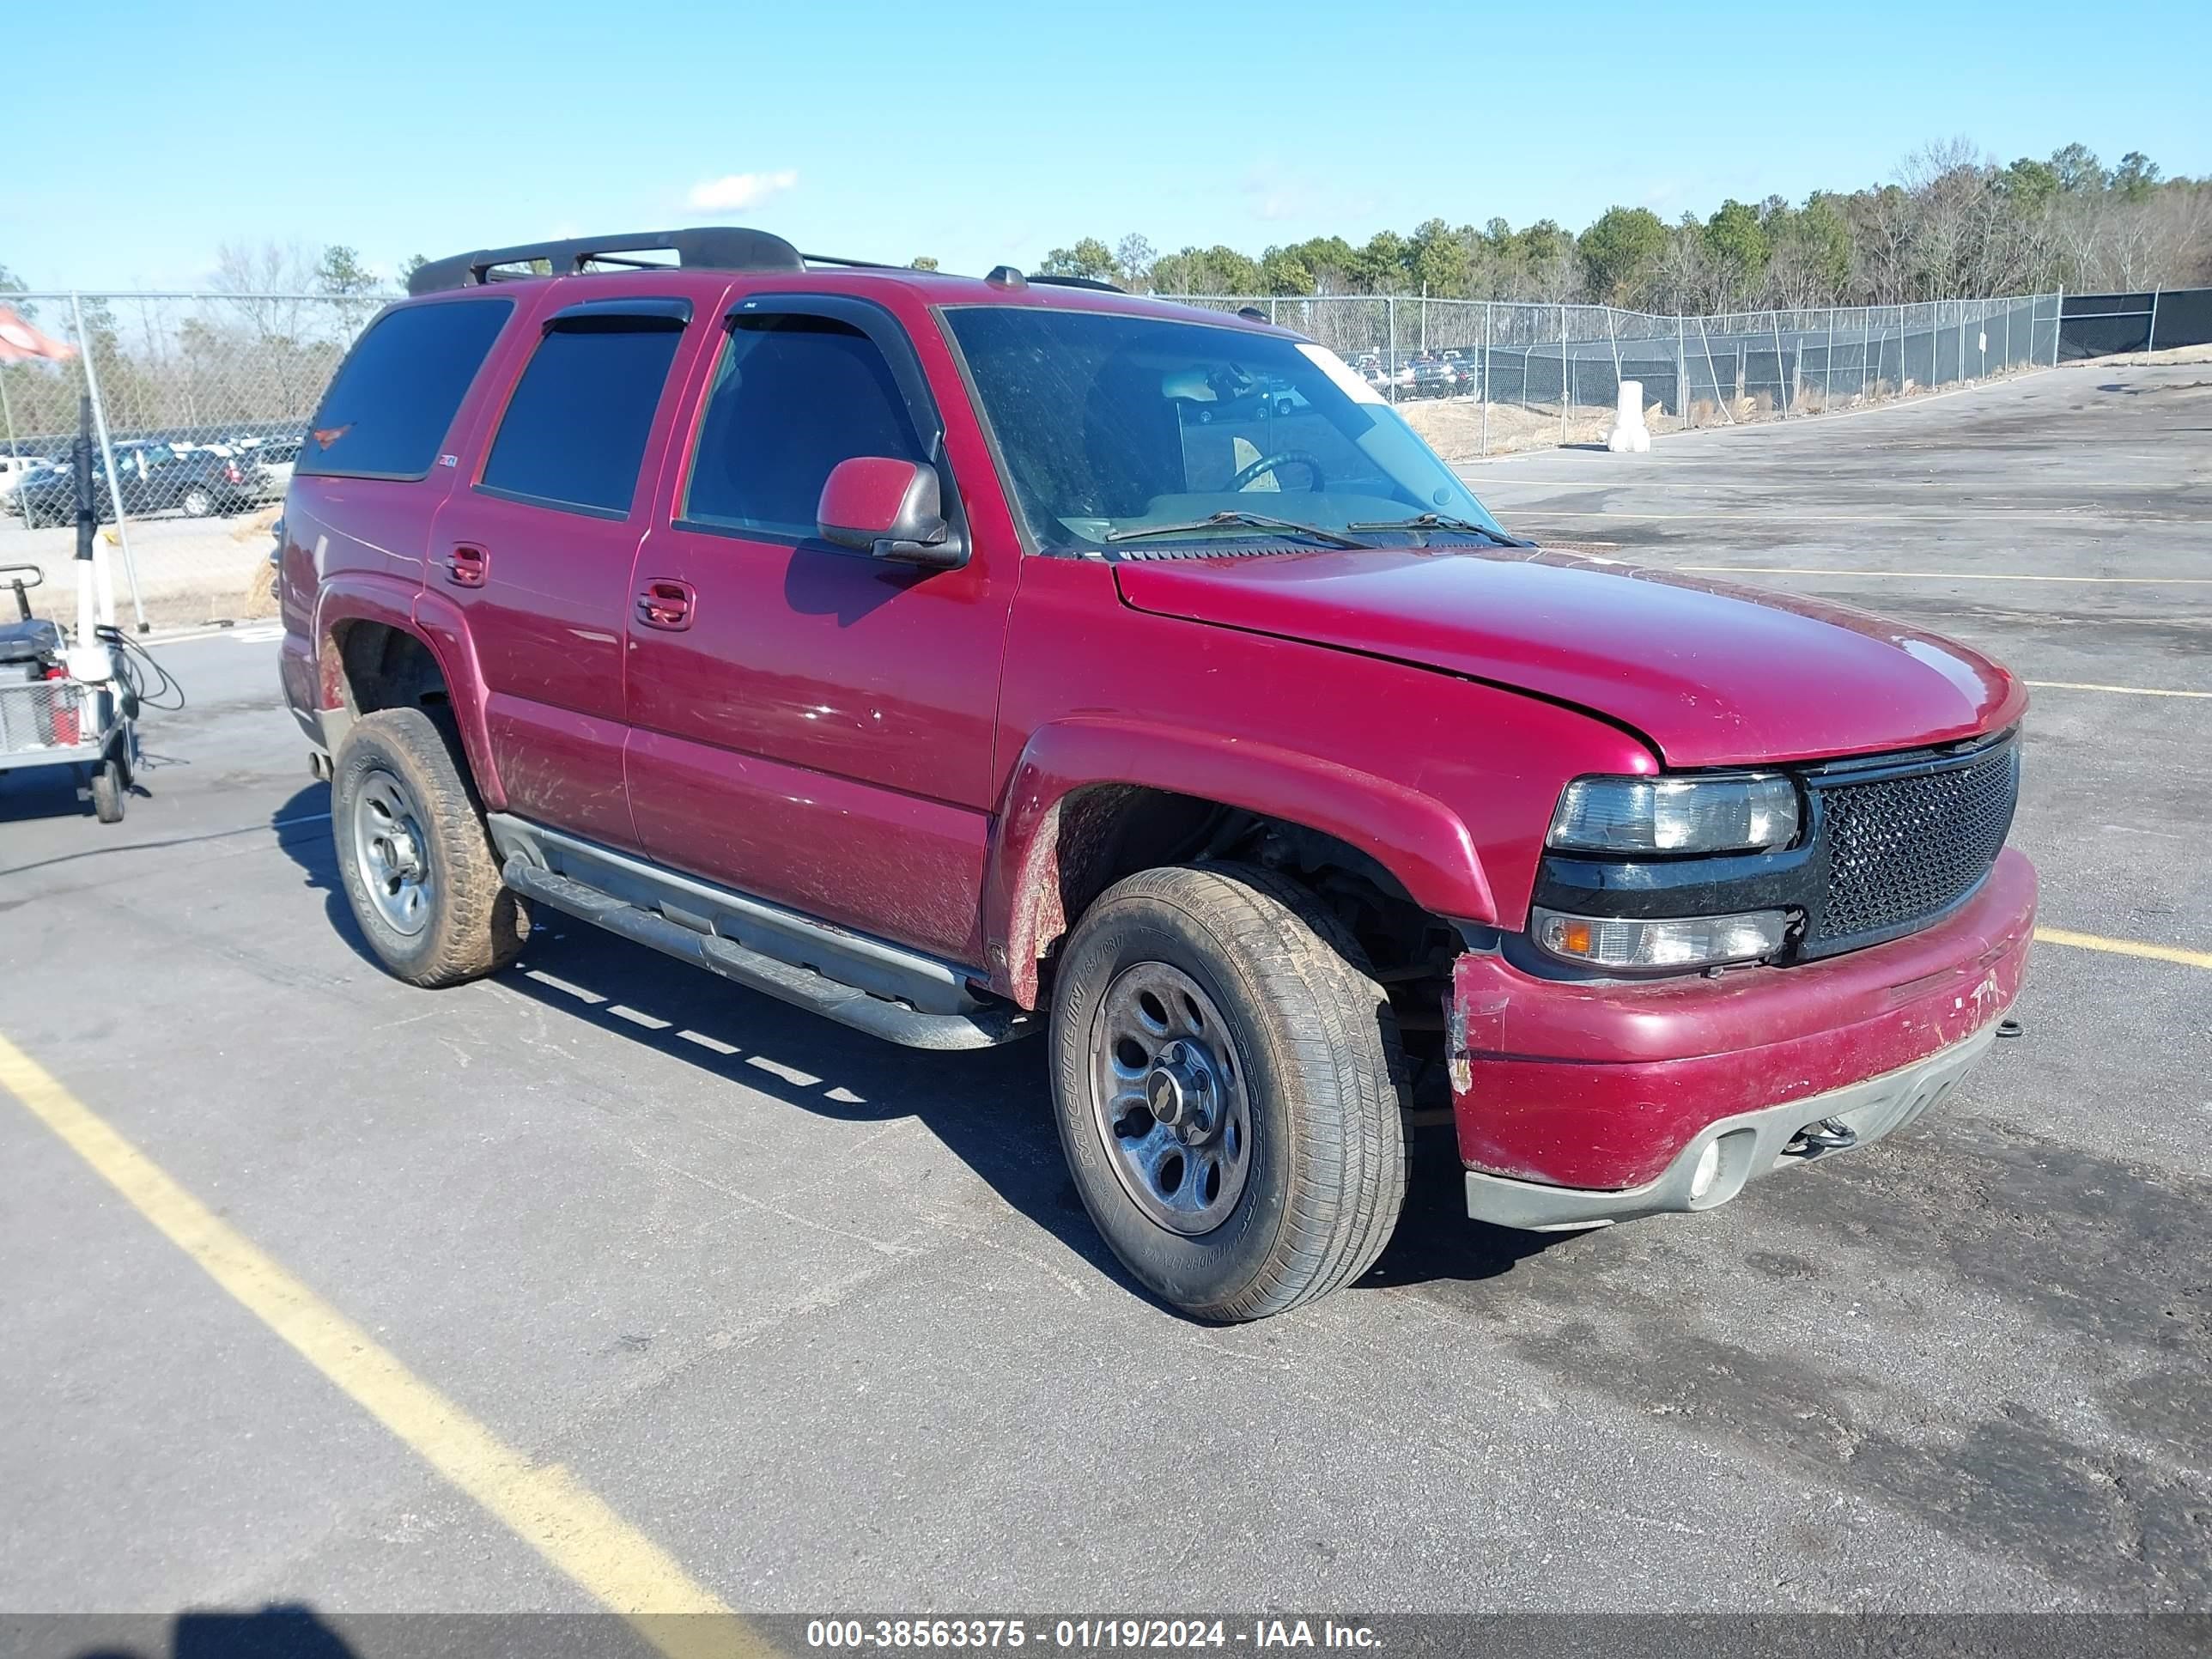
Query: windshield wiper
{"points": [[1441, 521], [1237, 516]]}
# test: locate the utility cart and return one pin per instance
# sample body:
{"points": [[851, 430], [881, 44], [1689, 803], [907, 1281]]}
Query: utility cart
{"points": [[64, 707]]}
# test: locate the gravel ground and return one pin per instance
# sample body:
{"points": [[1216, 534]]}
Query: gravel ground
{"points": [[190, 570]]}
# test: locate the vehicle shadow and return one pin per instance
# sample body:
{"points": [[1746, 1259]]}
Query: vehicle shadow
{"points": [[1434, 1240], [992, 1107], [278, 1631], [293, 1630], [29, 792], [303, 830], [41, 791]]}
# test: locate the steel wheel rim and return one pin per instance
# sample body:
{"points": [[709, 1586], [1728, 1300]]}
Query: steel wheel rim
{"points": [[392, 852], [1168, 1098]]}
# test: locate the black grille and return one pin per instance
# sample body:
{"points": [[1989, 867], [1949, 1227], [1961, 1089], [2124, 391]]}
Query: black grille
{"points": [[1899, 849]]}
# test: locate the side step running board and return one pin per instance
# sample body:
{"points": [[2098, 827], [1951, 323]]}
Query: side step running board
{"points": [[800, 987]]}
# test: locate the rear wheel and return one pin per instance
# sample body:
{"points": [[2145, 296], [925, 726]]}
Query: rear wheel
{"points": [[418, 867], [110, 789], [1226, 1075], [198, 502]]}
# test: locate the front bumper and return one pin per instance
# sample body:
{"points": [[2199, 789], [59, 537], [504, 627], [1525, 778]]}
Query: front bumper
{"points": [[1603, 1085], [1746, 1147]]}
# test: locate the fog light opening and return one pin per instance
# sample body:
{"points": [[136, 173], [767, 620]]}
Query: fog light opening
{"points": [[1707, 1172]]}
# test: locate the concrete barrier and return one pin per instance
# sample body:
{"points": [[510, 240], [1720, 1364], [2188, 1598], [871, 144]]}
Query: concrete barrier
{"points": [[1629, 436]]}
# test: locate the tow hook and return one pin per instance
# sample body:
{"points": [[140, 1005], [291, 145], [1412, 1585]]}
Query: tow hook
{"points": [[1830, 1134]]}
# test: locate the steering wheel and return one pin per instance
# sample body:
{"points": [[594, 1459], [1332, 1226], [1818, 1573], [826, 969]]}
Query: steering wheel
{"points": [[1315, 484]]}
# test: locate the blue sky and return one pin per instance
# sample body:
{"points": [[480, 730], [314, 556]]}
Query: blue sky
{"points": [[980, 133]]}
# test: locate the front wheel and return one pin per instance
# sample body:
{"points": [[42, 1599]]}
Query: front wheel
{"points": [[1225, 1079], [417, 863]]}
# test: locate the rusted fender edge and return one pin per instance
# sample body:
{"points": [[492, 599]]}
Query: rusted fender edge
{"points": [[361, 596], [1416, 837], [439, 622]]}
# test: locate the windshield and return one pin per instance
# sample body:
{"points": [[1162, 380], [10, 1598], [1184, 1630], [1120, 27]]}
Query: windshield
{"points": [[1109, 424]]}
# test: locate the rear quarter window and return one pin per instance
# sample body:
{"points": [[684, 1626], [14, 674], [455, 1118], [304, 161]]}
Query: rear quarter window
{"points": [[393, 399]]}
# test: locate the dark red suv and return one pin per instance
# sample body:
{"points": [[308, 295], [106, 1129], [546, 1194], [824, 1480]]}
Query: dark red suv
{"points": [[958, 658]]}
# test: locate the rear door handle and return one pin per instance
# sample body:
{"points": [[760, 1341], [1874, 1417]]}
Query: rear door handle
{"points": [[667, 603], [467, 567]]}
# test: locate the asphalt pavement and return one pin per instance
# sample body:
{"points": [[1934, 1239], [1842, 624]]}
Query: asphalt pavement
{"points": [[822, 1320]]}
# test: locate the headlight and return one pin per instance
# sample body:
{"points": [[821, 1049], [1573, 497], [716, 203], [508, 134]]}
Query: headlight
{"points": [[1743, 812], [1632, 942]]}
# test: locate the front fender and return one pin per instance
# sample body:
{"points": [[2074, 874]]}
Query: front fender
{"points": [[1420, 840]]}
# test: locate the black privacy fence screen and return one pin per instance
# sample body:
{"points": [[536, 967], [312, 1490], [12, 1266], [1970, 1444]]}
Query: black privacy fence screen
{"points": [[2153, 319]]}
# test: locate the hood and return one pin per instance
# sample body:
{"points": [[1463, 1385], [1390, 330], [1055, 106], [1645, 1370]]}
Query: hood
{"points": [[1708, 673]]}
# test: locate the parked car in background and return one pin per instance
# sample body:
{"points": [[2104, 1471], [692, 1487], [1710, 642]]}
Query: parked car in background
{"points": [[961, 659], [1378, 373], [1434, 378], [14, 469], [272, 463], [45, 495], [154, 478]]}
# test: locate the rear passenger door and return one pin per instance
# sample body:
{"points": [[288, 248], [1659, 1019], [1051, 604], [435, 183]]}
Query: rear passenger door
{"points": [[809, 724], [536, 554]]}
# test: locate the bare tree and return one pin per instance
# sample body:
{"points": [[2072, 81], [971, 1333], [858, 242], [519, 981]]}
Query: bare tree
{"points": [[270, 279]]}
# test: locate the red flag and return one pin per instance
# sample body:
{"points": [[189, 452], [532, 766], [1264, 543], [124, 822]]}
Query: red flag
{"points": [[20, 341]]}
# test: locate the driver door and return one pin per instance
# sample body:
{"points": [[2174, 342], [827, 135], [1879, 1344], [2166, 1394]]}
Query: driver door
{"points": [[810, 725]]}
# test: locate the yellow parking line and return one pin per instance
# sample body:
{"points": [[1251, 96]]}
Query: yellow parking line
{"points": [[2127, 690], [542, 1503], [2125, 947]]}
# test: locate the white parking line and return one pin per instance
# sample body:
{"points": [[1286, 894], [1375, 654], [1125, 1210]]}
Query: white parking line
{"points": [[1941, 576], [251, 634], [562, 984], [2123, 690], [1706, 516]]}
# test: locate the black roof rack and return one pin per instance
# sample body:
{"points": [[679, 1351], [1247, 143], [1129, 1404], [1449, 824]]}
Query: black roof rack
{"points": [[709, 248], [855, 264], [1080, 282]]}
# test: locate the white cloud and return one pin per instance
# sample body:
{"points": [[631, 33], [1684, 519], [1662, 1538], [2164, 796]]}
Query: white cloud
{"points": [[738, 190], [1273, 194]]}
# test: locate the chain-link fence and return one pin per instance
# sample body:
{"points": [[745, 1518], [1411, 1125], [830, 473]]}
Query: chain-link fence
{"points": [[200, 402], [202, 399], [1479, 376]]}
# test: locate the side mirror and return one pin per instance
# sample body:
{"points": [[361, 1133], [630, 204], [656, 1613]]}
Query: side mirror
{"points": [[888, 509]]}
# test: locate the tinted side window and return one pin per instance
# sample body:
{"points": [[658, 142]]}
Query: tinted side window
{"points": [[792, 397], [397, 393], [575, 430]]}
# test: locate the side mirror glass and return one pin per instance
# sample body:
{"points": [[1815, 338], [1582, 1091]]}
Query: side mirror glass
{"points": [[888, 509]]}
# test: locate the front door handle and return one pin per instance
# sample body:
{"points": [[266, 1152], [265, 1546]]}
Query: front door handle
{"points": [[467, 567], [664, 602]]}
